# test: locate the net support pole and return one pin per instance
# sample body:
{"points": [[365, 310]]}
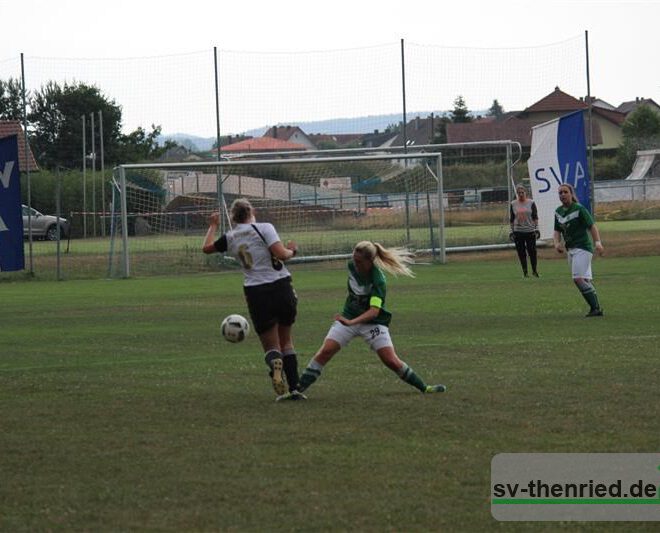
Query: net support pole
{"points": [[511, 187], [591, 129], [93, 142], [27, 169], [405, 136], [403, 96], [441, 211], [58, 208], [84, 177], [218, 171], [102, 172], [124, 223]]}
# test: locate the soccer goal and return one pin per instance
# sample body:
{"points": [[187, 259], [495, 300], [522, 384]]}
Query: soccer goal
{"points": [[326, 204]]}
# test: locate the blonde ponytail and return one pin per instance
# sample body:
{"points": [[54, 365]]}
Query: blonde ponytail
{"points": [[392, 260]]}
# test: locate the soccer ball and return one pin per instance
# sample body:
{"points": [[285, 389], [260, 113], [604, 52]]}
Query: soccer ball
{"points": [[235, 328]]}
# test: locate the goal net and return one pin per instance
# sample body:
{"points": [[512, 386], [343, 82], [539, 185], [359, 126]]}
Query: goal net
{"points": [[326, 204]]}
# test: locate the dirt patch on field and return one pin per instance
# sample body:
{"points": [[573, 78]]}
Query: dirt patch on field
{"points": [[633, 244]]}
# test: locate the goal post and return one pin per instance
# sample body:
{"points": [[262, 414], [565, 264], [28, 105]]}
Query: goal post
{"points": [[324, 203], [435, 199]]}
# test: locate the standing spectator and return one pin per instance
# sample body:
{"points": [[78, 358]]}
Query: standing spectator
{"points": [[524, 221]]}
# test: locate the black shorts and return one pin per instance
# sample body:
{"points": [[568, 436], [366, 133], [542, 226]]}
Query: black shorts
{"points": [[271, 303]]}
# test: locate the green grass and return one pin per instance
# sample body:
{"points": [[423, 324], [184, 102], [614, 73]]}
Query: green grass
{"points": [[121, 408], [180, 254]]}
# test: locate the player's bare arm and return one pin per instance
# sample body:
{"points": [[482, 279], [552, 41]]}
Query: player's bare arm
{"points": [[214, 223], [595, 236], [556, 238], [283, 253], [369, 315]]}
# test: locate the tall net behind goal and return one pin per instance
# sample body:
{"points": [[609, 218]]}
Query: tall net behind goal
{"points": [[326, 204]]}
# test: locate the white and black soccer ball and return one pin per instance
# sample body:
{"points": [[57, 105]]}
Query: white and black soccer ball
{"points": [[235, 328]]}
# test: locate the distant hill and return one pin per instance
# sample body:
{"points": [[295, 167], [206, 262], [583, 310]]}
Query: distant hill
{"points": [[366, 124], [192, 142], [348, 125]]}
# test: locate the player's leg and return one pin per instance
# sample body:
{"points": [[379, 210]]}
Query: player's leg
{"points": [[581, 272], [378, 338], [391, 360], [519, 241], [289, 357], [265, 324], [287, 307], [315, 366], [338, 336], [530, 242], [270, 341]]}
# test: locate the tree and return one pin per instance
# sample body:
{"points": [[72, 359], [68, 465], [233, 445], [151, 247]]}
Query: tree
{"points": [[55, 126], [460, 113], [394, 127], [142, 146], [11, 99], [55, 123], [440, 130], [641, 131], [642, 123], [327, 144], [496, 110]]}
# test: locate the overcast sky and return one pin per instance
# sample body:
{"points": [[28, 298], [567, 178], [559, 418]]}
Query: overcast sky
{"points": [[624, 39]]}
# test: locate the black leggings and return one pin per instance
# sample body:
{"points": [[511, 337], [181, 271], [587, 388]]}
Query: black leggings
{"points": [[526, 244]]}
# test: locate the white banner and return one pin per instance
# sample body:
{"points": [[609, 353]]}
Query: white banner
{"points": [[558, 155], [342, 184]]}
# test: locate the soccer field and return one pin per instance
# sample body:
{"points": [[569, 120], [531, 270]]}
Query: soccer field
{"points": [[122, 408]]}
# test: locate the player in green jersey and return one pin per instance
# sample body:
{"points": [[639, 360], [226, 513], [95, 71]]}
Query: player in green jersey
{"points": [[364, 314], [574, 223]]}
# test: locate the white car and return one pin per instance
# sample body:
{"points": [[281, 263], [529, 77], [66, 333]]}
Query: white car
{"points": [[44, 226]]}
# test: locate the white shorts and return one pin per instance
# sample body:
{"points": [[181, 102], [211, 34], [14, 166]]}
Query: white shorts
{"points": [[375, 335], [580, 261]]}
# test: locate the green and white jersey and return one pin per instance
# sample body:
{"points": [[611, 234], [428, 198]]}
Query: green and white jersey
{"points": [[365, 292], [574, 223]]}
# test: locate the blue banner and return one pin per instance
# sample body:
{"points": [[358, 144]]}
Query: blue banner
{"points": [[11, 213], [572, 155], [558, 155]]}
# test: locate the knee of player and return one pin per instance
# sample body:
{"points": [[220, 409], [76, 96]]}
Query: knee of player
{"points": [[325, 352]]}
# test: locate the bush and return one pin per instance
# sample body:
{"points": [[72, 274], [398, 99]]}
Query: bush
{"points": [[607, 168], [43, 189]]}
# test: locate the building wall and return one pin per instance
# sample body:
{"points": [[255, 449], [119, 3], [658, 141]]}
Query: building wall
{"points": [[301, 138], [612, 134]]}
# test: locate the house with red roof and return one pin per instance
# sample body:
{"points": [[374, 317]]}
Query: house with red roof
{"points": [[604, 121], [517, 126], [292, 134], [337, 140], [14, 127], [263, 144]]}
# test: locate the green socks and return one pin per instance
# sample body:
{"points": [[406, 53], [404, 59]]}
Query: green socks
{"points": [[310, 375], [408, 375]]}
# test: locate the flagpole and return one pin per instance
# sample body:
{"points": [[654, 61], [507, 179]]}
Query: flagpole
{"points": [[591, 129]]}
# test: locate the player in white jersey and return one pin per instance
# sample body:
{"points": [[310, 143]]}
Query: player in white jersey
{"points": [[270, 297]]}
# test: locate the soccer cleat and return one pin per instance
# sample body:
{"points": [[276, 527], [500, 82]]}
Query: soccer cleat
{"points": [[293, 396], [277, 375], [594, 312], [297, 395], [535, 274], [434, 388]]}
